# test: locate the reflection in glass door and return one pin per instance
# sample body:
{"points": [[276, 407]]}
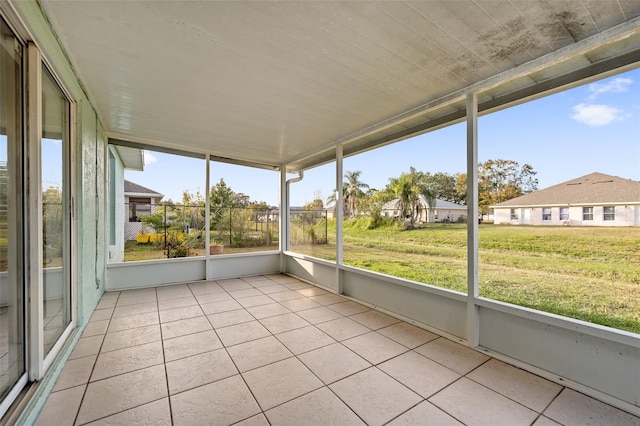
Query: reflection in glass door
{"points": [[12, 361], [55, 218]]}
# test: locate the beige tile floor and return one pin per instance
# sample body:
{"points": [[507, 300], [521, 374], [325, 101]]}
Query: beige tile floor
{"points": [[274, 350]]}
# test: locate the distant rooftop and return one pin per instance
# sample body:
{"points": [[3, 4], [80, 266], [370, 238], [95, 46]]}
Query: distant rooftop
{"points": [[133, 188], [593, 188]]}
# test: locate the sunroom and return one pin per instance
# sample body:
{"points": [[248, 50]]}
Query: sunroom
{"points": [[293, 323]]}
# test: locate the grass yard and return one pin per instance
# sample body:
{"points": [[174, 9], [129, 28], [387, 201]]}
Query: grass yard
{"points": [[592, 274], [134, 251]]}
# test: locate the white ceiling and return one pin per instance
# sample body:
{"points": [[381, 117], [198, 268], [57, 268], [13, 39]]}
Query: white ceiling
{"points": [[280, 83]]}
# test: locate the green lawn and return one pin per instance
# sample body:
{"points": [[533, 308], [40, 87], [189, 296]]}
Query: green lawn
{"points": [[134, 251], [592, 274]]}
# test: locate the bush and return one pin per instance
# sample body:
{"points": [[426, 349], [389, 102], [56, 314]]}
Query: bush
{"points": [[180, 250]]}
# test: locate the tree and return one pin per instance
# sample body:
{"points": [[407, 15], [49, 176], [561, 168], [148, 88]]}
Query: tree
{"points": [[352, 191], [313, 205], [52, 218], [192, 210], [221, 198], [372, 205], [500, 180], [461, 187], [443, 187], [407, 189]]}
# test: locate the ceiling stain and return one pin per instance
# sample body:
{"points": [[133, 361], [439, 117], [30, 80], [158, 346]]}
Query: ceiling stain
{"points": [[574, 26]]}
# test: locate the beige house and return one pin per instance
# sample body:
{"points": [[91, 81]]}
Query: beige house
{"points": [[442, 211], [596, 199]]}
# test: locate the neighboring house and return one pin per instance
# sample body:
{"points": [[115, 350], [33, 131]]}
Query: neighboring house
{"points": [[140, 200], [443, 211], [596, 199]]}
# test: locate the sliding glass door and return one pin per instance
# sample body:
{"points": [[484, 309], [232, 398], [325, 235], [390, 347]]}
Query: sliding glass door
{"points": [[12, 306], [36, 301], [56, 299]]}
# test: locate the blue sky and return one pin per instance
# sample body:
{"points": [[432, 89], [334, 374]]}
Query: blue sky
{"points": [[594, 127]]}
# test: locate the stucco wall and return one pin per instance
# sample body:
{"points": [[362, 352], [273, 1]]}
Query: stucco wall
{"points": [[452, 215], [91, 212], [625, 215], [89, 166], [88, 173]]}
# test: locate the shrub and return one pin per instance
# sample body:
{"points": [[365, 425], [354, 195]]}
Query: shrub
{"points": [[179, 250]]}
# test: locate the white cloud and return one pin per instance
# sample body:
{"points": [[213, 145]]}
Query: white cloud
{"points": [[617, 85], [149, 158], [597, 115]]}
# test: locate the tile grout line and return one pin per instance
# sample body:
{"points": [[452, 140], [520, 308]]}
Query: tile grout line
{"points": [[293, 356], [164, 359], [508, 397], [138, 369], [104, 336], [297, 356], [236, 367], [562, 388], [407, 410], [441, 390]]}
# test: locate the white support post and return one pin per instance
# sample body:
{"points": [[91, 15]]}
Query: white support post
{"points": [[33, 228], [284, 212], [207, 216], [473, 326], [339, 218]]}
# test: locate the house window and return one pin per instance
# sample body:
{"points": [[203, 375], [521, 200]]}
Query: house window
{"points": [[546, 213], [564, 213], [609, 213], [514, 214], [587, 213]]}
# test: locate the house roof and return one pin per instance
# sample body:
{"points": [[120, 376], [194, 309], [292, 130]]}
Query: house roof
{"points": [[442, 204], [281, 83], [594, 188], [131, 188]]}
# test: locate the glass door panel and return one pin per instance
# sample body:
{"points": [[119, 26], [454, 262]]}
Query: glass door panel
{"points": [[55, 221], [12, 361]]}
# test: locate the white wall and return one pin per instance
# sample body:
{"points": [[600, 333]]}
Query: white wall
{"points": [[626, 215], [453, 214]]}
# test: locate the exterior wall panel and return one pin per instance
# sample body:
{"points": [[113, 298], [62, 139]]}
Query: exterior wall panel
{"points": [[151, 273], [316, 271], [443, 310], [625, 215], [609, 367]]}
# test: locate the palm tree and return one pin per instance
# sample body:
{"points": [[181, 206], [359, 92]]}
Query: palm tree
{"points": [[352, 191], [408, 188]]}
